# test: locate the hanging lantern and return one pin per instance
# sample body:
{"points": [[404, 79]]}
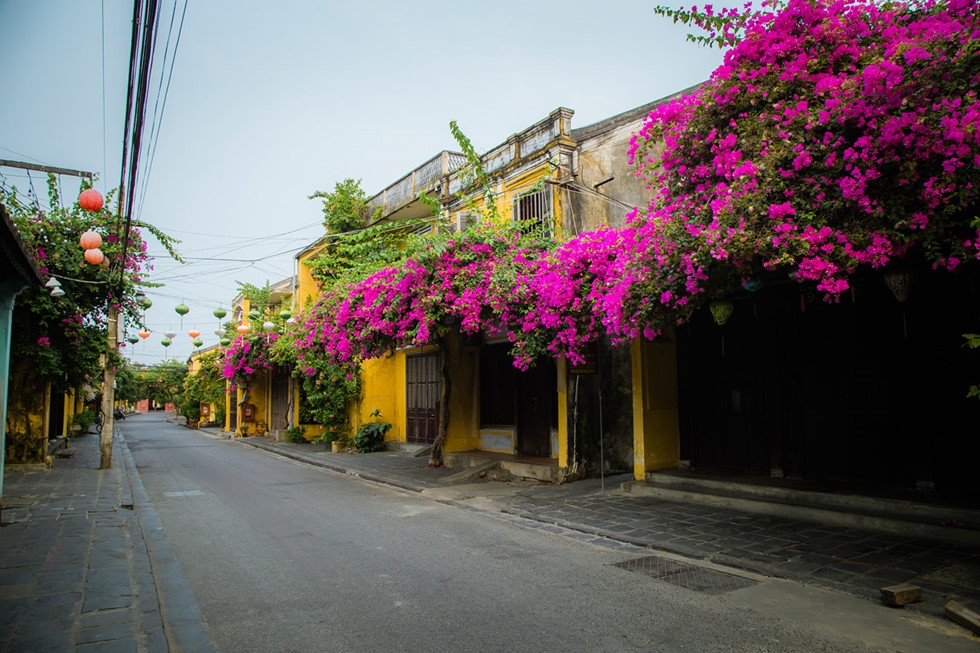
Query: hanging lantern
{"points": [[225, 342], [198, 342], [220, 313], [181, 309], [219, 333], [721, 310], [90, 199], [90, 240], [193, 333], [170, 334], [268, 326], [242, 329], [254, 314], [144, 334], [94, 256], [291, 321], [146, 303], [285, 314], [165, 342], [132, 340]]}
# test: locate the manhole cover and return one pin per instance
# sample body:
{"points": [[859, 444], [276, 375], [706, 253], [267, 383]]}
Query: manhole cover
{"points": [[683, 574]]}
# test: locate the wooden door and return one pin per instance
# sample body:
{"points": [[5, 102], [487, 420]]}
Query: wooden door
{"points": [[422, 392]]}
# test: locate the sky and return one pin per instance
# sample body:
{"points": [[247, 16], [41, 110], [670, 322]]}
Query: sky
{"points": [[269, 102]]}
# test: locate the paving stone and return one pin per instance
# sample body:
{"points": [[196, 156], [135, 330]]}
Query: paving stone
{"points": [[48, 641], [118, 631], [105, 602], [129, 645]]}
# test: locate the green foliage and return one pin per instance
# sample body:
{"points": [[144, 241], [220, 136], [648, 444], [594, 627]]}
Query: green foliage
{"points": [[84, 418], [207, 385], [370, 437], [257, 297], [330, 392], [126, 388], [345, 209], [478, 173], [64, 337], [351, 256], [296, 434], [162, 383], [191, 410], [973, 342]]}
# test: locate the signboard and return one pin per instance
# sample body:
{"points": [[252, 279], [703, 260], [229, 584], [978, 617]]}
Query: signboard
{"points": [[591, 364]]}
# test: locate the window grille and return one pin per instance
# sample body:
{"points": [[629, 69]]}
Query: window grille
{"points": [[463, 221], [535, 210]]}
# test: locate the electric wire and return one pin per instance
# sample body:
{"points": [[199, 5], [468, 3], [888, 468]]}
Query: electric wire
{"points": [[158, 122]]}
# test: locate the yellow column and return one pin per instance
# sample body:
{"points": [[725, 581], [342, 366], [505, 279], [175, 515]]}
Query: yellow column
{"points": [[656, 429]]}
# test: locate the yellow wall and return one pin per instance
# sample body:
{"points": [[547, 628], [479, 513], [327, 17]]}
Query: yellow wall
{"points": [[381, 379], [656, 427], [307, 289]]}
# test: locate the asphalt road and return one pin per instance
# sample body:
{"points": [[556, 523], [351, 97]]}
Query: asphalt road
{"points": [[286, 557]]}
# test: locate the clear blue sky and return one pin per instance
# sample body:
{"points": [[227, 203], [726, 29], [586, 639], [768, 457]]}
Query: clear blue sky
{"points": [[271, 101]]}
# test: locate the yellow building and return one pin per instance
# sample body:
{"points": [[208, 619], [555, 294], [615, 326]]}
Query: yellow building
{"points": [[263, 406], [546, 422]]}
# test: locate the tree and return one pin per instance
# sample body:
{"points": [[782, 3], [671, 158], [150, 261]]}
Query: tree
{"points": [[162, 383], [345, 209]]}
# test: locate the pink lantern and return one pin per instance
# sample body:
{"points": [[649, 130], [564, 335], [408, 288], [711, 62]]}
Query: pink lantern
{"points": [[94, 256], [90, 199], [90, 240]]}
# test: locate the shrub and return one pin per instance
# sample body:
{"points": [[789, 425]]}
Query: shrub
{"points": [[371, 436], [84, 418], [296, 434]]}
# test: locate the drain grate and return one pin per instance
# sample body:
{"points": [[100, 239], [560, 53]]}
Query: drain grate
{"points": [[686, 575]]}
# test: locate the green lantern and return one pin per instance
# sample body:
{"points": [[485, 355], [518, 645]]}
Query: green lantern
{"points": [[285, 314], [144, 303], [165, 342], [225, 342], [220, 313], [132, 340], [181, 309], [254, 314], [198, 342]]}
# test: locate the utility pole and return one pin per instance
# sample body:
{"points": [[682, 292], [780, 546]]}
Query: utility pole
{"points": [[112, 355]]}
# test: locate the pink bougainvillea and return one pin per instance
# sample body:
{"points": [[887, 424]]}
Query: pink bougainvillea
{"points": [[836, 134]]}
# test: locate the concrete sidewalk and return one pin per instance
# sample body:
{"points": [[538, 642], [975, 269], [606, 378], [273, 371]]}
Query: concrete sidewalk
{"points": [[84, 562], [852, 560]]}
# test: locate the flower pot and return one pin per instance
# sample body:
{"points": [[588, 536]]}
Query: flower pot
{"points": [[337, 446]]}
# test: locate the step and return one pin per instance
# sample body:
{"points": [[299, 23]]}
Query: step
{"points": [[855, 511]]}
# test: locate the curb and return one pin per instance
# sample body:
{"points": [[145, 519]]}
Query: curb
{"points": [[183, 623]]}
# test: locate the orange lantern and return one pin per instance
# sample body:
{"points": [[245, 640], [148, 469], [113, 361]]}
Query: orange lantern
{"points": [[90, 199], [144, 334], [242, 329], [90, 240], [193, 333], [94, 256]]}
